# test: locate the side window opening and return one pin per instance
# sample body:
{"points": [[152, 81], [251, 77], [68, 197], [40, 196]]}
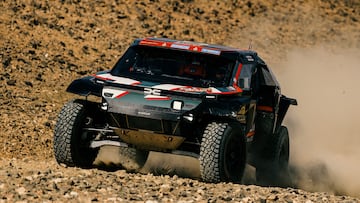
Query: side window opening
{"points": [[269, 91], [247, 79]]}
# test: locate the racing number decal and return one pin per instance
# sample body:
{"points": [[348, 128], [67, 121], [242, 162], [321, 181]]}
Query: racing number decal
{"points": [[149, 91]]}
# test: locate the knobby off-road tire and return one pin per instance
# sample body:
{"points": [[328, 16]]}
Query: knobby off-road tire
{"points": [[222, 153], [273, 169], [132, 159], [71, 142]]}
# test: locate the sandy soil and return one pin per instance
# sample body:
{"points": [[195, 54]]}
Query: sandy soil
{"points": [[44, 45]]}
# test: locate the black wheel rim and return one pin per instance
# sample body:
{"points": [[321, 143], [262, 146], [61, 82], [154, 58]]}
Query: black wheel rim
{"points": [[234, 161], [83, 141]]}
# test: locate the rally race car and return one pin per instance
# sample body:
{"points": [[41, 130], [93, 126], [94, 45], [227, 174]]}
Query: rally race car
{"points": [[219, 104]]}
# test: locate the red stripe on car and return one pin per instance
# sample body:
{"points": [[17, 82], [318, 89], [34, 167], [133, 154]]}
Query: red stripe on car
{"points": [[136, 83], [102, 78], [158, 98], [121, 95]]}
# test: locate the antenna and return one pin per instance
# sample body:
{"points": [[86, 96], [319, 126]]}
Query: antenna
{"points": [[250, 45]]}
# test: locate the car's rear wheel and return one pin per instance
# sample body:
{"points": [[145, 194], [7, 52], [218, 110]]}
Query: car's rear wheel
{"points": [[71, 141], [272, 168], [223, 153], [132, 159]]}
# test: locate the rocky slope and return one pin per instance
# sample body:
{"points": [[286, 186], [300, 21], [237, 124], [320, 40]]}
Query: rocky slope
{"points": [[44, 45]]}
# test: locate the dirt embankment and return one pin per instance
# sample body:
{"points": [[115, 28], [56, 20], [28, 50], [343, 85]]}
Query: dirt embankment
{"points": [[44, 45]]}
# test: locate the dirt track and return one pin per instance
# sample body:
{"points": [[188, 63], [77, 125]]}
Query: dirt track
{"points": [[44, 45]]}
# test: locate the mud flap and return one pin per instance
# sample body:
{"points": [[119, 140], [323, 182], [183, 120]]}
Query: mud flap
{"points": [[264, 124]]}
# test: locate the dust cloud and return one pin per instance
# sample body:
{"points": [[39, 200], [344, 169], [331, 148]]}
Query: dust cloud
{"points": [[157, 163], [325, 126]]}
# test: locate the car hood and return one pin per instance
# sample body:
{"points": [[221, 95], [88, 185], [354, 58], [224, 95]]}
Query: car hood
{"points": [[145, 99], [153, 88], [152, 100]]}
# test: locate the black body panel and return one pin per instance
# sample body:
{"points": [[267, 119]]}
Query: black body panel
{"points": [[85, 86]]}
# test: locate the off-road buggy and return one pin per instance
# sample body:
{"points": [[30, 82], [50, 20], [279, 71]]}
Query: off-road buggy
{"points": [[219, 104]]}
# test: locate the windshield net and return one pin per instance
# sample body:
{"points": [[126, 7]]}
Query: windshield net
{"points": [[166, 66]]}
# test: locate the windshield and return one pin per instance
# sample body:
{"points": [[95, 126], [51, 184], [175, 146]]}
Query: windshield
{"points": [[174, 67]]}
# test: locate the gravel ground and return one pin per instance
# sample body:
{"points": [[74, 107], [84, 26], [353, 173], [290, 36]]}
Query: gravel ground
{"points": [[45, 181]]}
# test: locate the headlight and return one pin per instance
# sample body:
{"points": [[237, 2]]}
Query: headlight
{"points": [[177, 105]]}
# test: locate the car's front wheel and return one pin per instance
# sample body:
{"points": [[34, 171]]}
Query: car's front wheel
{"points": [[223, 152], [71, 141]]}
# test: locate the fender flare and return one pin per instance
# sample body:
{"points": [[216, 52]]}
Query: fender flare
{"points": [[284, 105], [230, 110], [85, 86]]}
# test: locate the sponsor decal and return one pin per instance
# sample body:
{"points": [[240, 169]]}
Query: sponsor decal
{"points": [[144, 113], [249, 58], [150, 91], [191, 89], [211, 90]]}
